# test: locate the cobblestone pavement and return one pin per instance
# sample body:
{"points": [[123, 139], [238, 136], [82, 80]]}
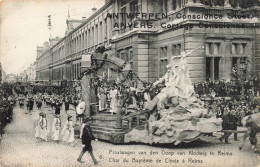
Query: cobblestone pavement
{"points": [[20, 148]]}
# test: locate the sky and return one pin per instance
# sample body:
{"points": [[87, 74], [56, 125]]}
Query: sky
{"points": [[24, 25]]}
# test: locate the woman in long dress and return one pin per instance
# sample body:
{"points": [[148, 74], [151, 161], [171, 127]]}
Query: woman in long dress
{"points": [[80, 111], [44, 128], [113, 94], [68, 131], [102, 98], [56, 126], [37, 126]]}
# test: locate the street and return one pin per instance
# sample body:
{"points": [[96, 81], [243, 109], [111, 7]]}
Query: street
{"points": [[19, 147]]}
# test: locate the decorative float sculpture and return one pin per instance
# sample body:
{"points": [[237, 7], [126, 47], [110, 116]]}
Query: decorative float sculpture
{"points": [[184, 119]]}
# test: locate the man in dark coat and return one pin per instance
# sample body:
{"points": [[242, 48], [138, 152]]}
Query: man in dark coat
{"points": [[31, 103], [226, 126], [58, 105], [39, 103], [67, 104], [86, 139]]}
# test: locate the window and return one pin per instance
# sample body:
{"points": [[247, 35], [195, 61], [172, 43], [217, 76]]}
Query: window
{"points": [[122, 56], [96, 35], [176, 50], [216, 48], [208, 2], [243, 48], [133, 8], [92, 37], [101, 33], [235, 48], [174, 5], [219, 3], [165, 6], [105, 31], [86, 40], [123, 10], [126, 55], [162, 61], [237, 66], [210, 48], [131, 58], [89, 38], [212, 68]]}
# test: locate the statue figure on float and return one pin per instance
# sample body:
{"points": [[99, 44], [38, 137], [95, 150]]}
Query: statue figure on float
{"points": [[178, 83]]}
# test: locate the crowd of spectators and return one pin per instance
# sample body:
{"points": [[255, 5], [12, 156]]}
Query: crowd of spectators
{"points": [[7, 102], [227, 101], [226, 88]]}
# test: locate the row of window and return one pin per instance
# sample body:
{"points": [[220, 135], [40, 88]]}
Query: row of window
{"points": [[132, 7], [212, 63], [43, 75], [97, 34], [126, 55], [43, 61], [163, 57], [62, 73], [169, 5], [213, 69], [237, 48]]}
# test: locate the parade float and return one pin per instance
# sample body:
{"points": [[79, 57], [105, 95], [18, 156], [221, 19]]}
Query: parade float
{"points": [[174, 115], [184, 119]]}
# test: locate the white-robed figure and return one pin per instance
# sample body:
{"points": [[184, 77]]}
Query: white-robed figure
{"points": [[147, 98], [56, 127], [113, 94], [102, 95], [44, 128], [37, 126], [80, 110], [68, 131]]}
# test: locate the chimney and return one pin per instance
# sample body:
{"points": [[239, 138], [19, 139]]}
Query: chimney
{"points": [[84, 18]]}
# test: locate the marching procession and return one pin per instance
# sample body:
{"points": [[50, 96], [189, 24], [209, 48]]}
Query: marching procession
{"points": [[232, 110], [232, 107]]}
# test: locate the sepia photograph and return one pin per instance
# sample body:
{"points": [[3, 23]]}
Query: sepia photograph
{"points": [[129, 83]]}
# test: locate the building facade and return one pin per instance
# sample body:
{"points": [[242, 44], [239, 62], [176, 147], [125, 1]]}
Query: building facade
{"points": [[146, 33], [2, 74], [30, 72]]}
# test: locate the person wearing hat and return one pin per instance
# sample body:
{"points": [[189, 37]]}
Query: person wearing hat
{"points": [[58, 105], [21, 101], [252, 123], [52, 102], [31, 103], [68, 131], [67, 104], [39, 103], [56, 125], [86, 139]]}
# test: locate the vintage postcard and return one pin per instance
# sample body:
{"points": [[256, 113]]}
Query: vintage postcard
{"points": [[129, 83]]}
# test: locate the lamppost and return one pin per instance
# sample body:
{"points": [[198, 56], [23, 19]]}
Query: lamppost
{"points": [[243, 67]]}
